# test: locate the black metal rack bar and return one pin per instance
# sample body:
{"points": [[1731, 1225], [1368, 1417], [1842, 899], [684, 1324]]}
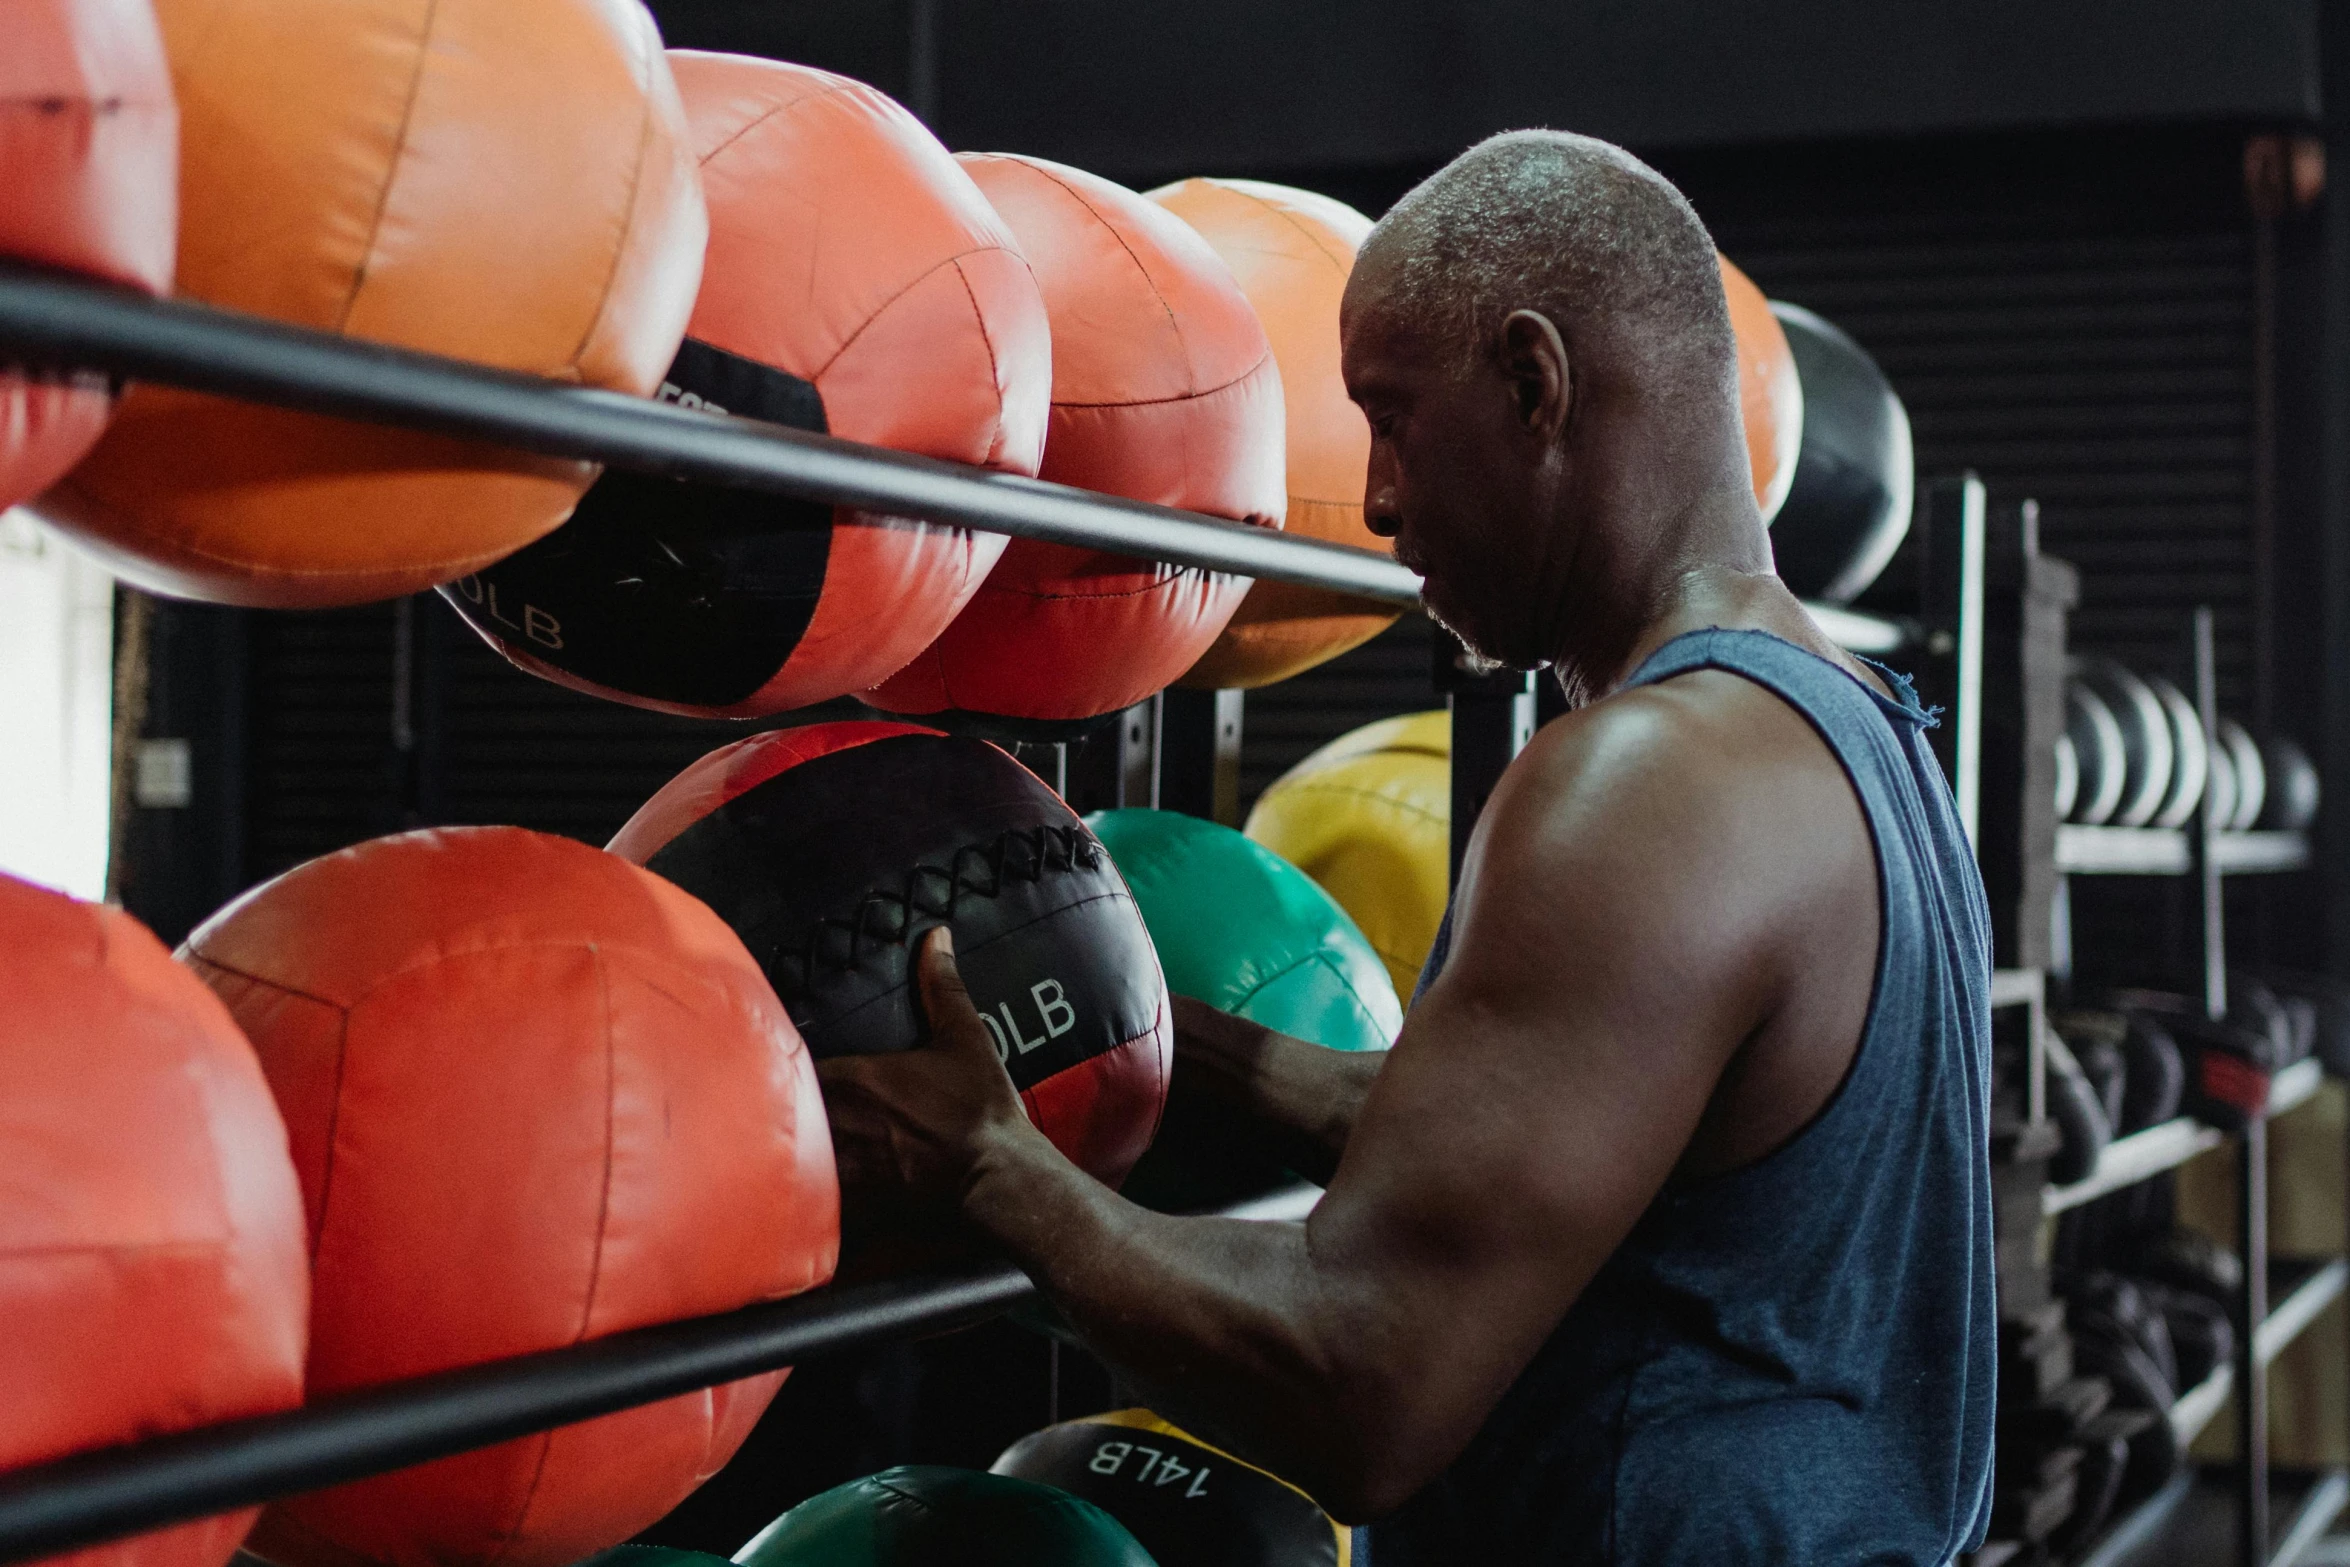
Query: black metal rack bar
{"points": [[108, 1493], [51, 324]]}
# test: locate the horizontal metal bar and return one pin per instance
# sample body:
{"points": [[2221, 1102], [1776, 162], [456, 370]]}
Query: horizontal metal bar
{"points": [[107, 1493], [2016, 987], [2295, 1086], [2312, 1519], [2128, 1160], [2287, 1319], [53, 324], [2163, 851], [2142, 1523], [2196, 1406]]}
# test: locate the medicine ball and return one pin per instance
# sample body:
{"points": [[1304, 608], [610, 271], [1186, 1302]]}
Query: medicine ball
{"points": [[856, 282], [2291, 799], [505, 181], [832, 849], [925, 1516], [154, 1275], [2190, 750], [2147, 754], [1848, 508], [1770, 392], [1291, 251], [1369, 818], [90, 142], [1189, 1504], [2249, 771], [536, 1096], [1165, 390], [1249, 933], [652, 1556], [2097, 749]]}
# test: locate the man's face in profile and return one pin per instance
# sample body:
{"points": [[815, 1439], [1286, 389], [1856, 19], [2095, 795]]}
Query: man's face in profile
{"points": [[1448, 478]]}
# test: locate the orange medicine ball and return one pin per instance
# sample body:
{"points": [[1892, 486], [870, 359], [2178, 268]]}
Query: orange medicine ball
{"points": [[1291, 251], [856, 282], [501, 180], [1769, 394], [1165, 390], [536, 1096], [89, 183], [152, 1275]]}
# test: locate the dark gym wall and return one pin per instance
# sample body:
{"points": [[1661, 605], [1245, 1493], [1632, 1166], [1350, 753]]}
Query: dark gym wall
{"points": [[1143, 89]]}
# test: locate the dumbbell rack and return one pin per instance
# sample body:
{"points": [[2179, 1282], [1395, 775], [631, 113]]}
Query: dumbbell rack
{"points": [[55, 326], [2189, 1520]]}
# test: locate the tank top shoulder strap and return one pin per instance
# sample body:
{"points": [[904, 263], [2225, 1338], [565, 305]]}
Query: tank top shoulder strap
{"points": [[1828, 696]]}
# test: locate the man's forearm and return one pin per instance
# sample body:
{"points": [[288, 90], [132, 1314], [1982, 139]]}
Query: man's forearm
{"points": [[1224, 1323], [1305, 1095]]}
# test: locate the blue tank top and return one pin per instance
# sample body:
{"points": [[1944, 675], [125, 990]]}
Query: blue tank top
{"points": [[1791, 1362]]}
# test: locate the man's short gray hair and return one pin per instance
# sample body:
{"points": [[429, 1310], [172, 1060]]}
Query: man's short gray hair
{"points": [[1568, 225]]}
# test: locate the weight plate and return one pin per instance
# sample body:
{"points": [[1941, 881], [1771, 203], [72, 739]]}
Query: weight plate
{"points": [[2251, 773], [2097, 749], [2190, 755], [2146, 743]]}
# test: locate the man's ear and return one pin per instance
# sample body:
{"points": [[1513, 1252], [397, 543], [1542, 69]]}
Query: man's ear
{"points": [[1542, 383]]}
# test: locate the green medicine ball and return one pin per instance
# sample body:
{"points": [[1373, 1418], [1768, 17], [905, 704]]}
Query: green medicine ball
{"points": [[1242, 929], [651, 1556], [924, 1516]]}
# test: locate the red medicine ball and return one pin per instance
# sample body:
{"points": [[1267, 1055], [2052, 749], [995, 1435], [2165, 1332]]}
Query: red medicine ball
{"points": [[89, 184], [832, 849], [151, 1268], [856, 282], [536, 1096], [1165, 390]]}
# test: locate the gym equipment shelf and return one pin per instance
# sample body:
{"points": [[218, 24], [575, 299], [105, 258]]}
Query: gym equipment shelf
{"points": [[2166, 851], [2129, 1160]]}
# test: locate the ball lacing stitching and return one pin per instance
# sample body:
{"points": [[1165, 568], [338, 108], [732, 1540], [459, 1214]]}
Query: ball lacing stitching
{"points": [[884, 920]]}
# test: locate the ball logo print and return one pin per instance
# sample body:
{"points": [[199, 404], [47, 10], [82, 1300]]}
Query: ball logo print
{"points": [[1110, 1459], [1190, 1504], [1053, 1010], [536, 624]]}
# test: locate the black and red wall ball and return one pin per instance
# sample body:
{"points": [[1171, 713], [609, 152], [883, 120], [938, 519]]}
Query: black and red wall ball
{"points": [[833, 849]]}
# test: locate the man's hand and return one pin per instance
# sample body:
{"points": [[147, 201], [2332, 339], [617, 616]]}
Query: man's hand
{"points": [[912, 1128]]}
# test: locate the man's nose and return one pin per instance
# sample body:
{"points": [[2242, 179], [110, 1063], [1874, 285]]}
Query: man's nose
{"points": [[1381, 514]]}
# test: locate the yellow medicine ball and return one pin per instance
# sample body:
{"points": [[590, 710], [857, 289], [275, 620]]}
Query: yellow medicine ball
{"points": [[1369, 817]]}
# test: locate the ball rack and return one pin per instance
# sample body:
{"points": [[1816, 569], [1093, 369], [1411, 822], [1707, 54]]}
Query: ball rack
{"points": [[56, 326]]}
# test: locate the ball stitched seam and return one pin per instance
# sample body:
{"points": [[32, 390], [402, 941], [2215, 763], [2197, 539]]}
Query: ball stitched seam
{"points": [[885, 919]]}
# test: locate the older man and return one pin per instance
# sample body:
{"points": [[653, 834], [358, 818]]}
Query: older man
{"points": [[1663, 1233]]}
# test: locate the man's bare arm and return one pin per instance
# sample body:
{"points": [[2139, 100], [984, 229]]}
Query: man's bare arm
{"points": [[1257, 1086], [1538, 1099]]}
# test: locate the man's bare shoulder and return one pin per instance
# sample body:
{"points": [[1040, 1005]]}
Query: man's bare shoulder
{"points": [[1698, 811], [1703, 740]]}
